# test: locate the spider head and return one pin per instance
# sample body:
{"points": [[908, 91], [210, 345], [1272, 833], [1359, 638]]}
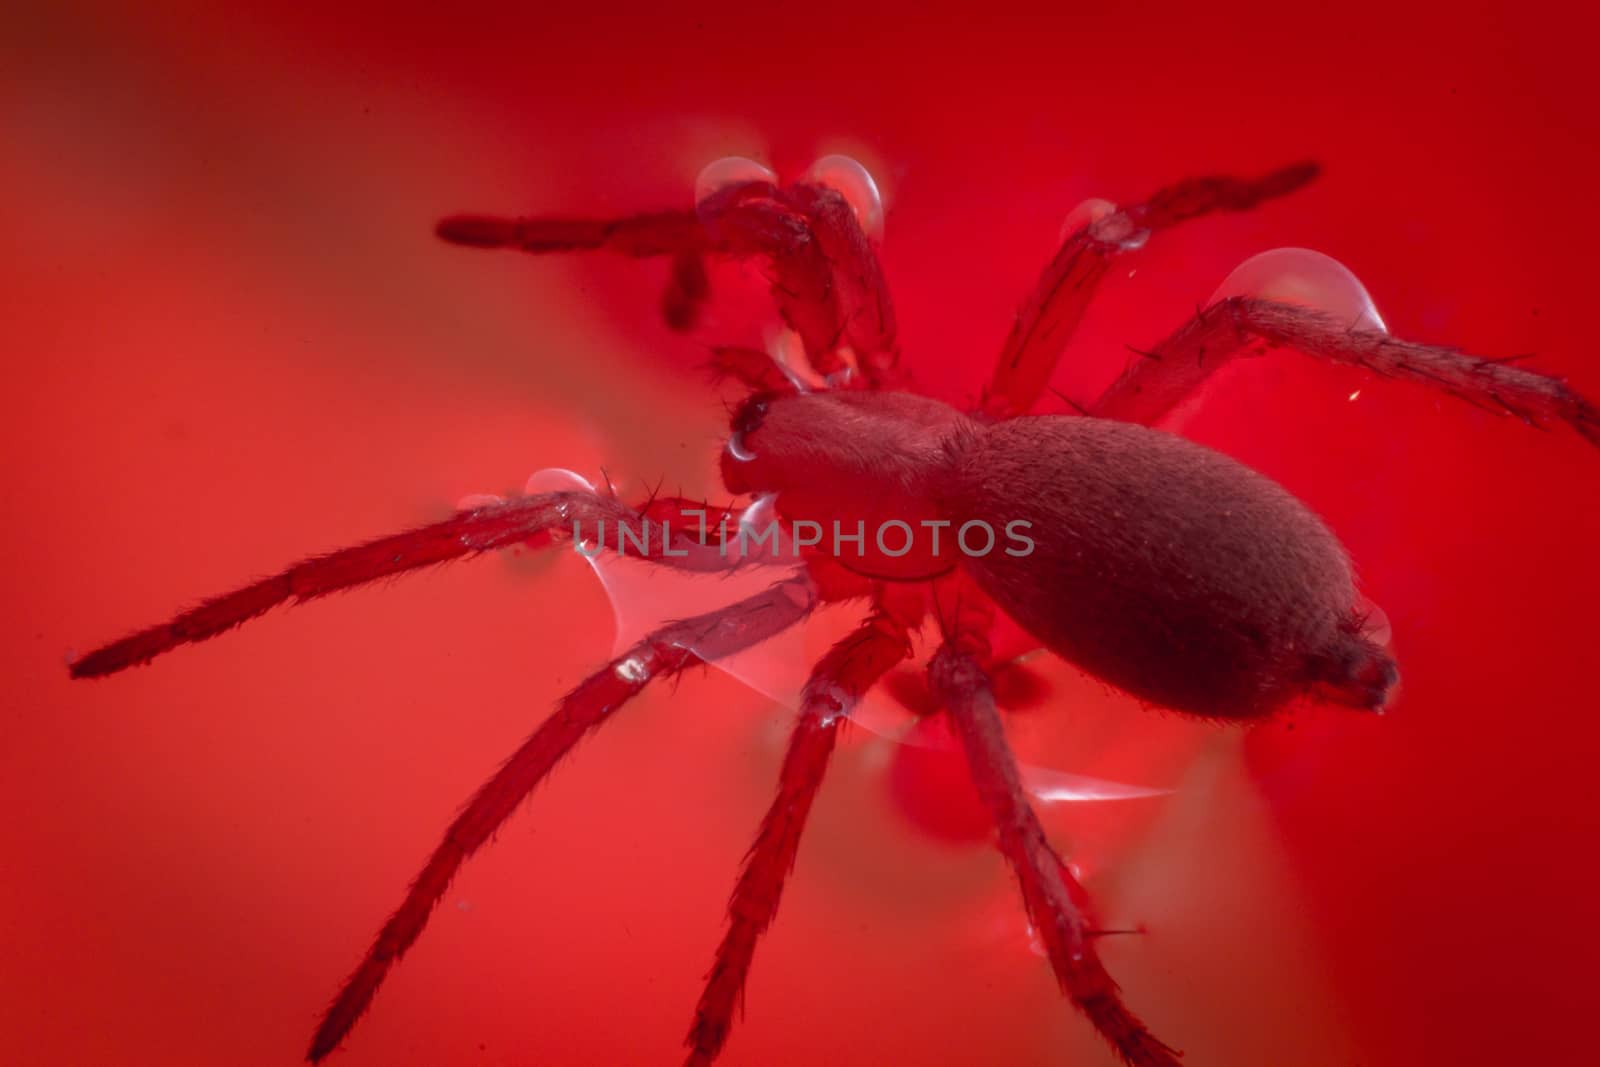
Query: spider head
{"points": [[852, 464]]}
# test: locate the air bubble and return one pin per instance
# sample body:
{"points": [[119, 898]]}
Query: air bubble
{"points": [[556, 480], [788, 351], [633, 670], [1084, 215], [1104, 224], [1036, 943], [1055, 787], [855, 183], [1305, 278], [729, 170], [1375, 625]]}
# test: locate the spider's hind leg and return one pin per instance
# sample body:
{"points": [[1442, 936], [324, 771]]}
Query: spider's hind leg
{"points": [[1049, 891], [468, 532], [1159, 380]]}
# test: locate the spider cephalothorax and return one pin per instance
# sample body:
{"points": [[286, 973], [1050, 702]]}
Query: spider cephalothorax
{"points": [[1162, 567]]}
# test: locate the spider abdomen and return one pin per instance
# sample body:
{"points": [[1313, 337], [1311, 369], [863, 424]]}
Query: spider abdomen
{"points": [[1165, 568]]}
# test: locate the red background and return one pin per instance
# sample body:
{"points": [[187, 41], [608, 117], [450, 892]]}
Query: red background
{"points": [[231, 340]]}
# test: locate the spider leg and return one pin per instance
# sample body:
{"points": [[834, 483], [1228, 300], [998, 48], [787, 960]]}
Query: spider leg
{"points": [[867, 309], [1050, 893], [808, 235], [802, 277], [740, 221], [839, 680], [1244, 326], [656, 233], [1052, 311], [666, 652], [466, 533]]}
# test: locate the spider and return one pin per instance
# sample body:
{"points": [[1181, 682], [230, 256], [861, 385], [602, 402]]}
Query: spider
{"points": [[1166, 569]]}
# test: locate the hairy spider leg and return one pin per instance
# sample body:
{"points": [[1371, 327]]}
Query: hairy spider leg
{"points": [[801, 276], [1245, 326], [1053, 310], [837, 684], [466, 533], [1050, 893], [870, 328], [825, 277], [668, 651]]}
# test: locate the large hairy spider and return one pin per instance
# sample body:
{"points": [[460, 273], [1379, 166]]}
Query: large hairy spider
{"points": [[1162, 567]]}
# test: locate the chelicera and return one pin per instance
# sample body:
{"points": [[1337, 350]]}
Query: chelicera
{"points": [[1162, 567]]}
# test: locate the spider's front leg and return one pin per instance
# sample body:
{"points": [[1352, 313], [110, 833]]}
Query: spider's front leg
{"points": [[1049, 891], [467, 533], [837, 684], [1238, 326], [825, 276]]}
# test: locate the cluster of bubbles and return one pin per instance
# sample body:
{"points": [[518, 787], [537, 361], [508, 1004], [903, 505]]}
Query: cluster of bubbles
{"points": [[842, 174]]}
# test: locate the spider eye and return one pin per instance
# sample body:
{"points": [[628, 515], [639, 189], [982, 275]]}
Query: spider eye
{"points": [[749, 416], [1306, 278], [729, 170], [855, 183]]}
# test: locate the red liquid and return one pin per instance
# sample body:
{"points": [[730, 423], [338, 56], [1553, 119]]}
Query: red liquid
{"points": [[233, 340]]}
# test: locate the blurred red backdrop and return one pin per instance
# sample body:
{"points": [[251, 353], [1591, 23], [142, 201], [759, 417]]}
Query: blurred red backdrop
{"points": [[232, 340]]}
